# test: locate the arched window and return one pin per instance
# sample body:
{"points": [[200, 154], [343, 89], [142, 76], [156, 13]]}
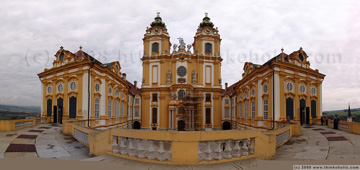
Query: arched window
{"points": [[155, 47], [181, 94], [265, 109], [208, 116], [208, 47], [154, 115], [97, 108]]}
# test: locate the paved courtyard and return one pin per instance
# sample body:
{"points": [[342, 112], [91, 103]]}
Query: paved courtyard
{"points": [[317, 143]]}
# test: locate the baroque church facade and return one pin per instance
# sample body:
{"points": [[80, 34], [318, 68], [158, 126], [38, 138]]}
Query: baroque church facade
{"points": [[181, 88]]}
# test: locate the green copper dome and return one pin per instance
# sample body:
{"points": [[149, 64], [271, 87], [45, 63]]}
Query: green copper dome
{"points": [[158, 21], [206, 22]]}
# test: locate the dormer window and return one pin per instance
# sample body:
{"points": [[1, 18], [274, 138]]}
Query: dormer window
{"points": [[61, 56], [208, 47], [301, 57], [155, 47]]}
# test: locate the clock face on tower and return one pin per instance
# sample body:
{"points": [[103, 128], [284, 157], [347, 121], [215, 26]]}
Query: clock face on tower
{"points": [[156, 31], [207, 31]]}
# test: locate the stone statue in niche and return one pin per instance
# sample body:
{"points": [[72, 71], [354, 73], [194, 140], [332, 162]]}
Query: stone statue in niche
{"points": [[168, 80], [193, 75], [172, 94]]}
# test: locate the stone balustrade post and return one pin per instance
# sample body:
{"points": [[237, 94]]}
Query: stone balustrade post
{"points": [[115, 145], [228, 149], [236, 149]]}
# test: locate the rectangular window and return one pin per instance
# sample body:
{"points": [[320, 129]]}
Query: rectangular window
{"points": [[246, 110], [136, 112], [137, 100], [226, 113], [97, 108], [155, 74], [208, 98], [241, 111], [226, 101], [117, 106], [265, 109], [208, 116], [181, 110], [208, 47], [154, 97], [122, 109], [109, 108], [154, 115], [208, 74], [253, 110]]}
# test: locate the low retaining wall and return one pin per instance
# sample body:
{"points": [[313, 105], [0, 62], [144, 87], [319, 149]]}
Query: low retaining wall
{"points": [[11, 125], [189, 147], [351, 127]]}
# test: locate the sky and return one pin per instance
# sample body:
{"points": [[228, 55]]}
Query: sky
{"points": [[31, 32]]}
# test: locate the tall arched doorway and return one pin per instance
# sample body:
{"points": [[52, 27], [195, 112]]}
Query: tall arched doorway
{"points": [[290, 108], [49, 108], [226, 126], [137, 125], [72, 107], [313, 109], [181, 125], [59, 111], [302, 111]]}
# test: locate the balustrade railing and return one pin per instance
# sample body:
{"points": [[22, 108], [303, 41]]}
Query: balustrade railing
{"points": [[282, 138], [22, 124], [143, 148], [225, 149], [81, 136]]}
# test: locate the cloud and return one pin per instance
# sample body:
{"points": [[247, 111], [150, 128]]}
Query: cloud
{"points": [[32, 32]]}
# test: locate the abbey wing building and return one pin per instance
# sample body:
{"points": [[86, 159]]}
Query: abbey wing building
{"points": [[181, 87]]}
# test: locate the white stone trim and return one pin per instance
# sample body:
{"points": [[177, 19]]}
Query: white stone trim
{"points": [[277, 96], [289, 71]]}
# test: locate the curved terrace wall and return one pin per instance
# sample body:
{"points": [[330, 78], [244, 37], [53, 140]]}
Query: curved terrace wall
{"points": [[182, 147]]}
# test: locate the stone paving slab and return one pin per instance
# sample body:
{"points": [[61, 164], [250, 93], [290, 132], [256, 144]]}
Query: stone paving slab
{"points": [[23, 141], [20, 155], [51, 151]]}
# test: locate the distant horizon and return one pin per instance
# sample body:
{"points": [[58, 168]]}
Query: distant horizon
{"points": [[328, 31], [40, 107]]}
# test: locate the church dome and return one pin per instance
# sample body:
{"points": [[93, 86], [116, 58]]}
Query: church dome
{"points": [[206, 22]]}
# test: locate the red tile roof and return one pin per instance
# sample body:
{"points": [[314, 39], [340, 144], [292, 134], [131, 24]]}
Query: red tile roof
{"points": [[231, 89], [132, 88]]}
